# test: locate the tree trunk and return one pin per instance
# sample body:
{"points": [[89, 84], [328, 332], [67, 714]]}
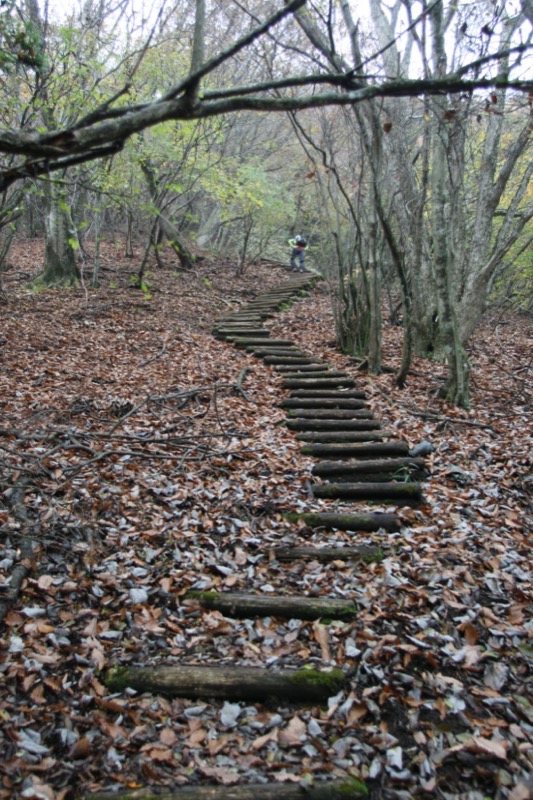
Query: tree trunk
{"points": [[374, 342], [168, 228], [60, 267], [443, 263]]}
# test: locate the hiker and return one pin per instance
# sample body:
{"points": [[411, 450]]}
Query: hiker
{"points": [[298, 245]]}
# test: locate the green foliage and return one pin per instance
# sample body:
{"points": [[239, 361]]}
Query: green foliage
{"points": [[20, 42], [142, 284]]}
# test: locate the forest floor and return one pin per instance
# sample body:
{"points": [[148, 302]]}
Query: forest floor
{"points": [[135, 466]]}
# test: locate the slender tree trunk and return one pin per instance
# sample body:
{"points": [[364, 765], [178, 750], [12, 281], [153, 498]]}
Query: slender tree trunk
{"points": [[374, 342], [443, 266], [60, 267], [168, 228]]}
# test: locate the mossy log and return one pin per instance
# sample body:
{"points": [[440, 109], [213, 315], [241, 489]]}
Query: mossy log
{"points": [[292, 361], [262, 314], [248, 341], [363, 450], [232, 327], [229, 334], [399, 493], [268, 305], [370, 470], [228, 682], [253, 321], [344, 789], [330, 413], [329, 374], [288, 370], [359, 424], [285, 291], [342, 394], [317, 383], [243, 606], [322, 402], [340, 437], [238, 318], [353, 523], [368, 554], [265, 351]]}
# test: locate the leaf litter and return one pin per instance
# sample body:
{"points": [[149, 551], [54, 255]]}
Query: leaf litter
{"points": [[140, 471]]}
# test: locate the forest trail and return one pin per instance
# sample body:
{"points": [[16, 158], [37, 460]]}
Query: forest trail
{"points": [[366, 470], [169, 484]]}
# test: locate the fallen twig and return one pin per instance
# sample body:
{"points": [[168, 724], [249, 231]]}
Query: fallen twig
{"points": [[430, 415], [23, 568], [154, 357]]}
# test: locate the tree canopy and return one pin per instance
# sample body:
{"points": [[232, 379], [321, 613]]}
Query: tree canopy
{"points": [[103, 129]]}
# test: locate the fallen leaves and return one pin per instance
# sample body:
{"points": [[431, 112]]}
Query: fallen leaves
{"points": [[189, 492]]}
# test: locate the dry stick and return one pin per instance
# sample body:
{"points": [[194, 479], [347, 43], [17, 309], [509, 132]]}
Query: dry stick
{"points": [[182, 440], [129, 414], [240, 381], [429, 415], [22, 569], [154, 357]]}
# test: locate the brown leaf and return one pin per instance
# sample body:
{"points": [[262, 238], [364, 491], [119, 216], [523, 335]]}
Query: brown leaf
{"points": [[158, 753], [294, 734], [261, 741], [168, 737], [322, 637], [488, 747], [197, 737], [81, 749], [470, 633]]}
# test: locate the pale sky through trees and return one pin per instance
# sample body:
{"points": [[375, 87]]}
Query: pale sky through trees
{"points": [[141, 15]]}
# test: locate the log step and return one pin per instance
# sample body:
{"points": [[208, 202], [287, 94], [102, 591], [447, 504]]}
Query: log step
{"points": [[322, 402], [331, 413], [329, 373], [342, 394], [245, 341], [341, 425], [232, 333], [228, 682], [232, 327], [398, 493], [288, 361], [370, 470], [317, 383], [241, 606], [344, 789], [295, 370], [367, 553], [269, 305], [347, 522], [343, 437], [262, 314], [354, 450], [239, 319], [265, 352]]}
